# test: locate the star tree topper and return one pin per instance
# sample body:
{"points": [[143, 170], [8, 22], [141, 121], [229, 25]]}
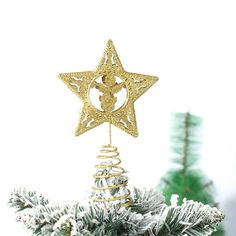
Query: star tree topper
{"points": [[109, 80]]}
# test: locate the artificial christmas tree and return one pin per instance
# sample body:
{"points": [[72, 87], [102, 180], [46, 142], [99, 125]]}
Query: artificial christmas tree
{"points": [[185, 178], [112, 209]]}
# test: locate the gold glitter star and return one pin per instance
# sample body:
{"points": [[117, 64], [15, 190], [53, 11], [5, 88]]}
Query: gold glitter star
{"points": [[109, 81]]}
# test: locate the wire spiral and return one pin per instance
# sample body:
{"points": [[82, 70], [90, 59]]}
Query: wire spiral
{"points": [[110, 181]]}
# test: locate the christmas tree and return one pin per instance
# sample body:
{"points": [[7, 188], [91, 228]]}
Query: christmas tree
{"points": [[112, 209], [185, 178]]}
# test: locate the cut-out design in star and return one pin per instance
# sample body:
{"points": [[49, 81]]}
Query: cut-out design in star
{"points": [[108, 70]]}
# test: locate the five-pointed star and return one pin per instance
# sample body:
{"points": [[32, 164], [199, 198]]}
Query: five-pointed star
{"points": [[109, 67]]}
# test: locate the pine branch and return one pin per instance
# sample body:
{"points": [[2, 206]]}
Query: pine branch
{"points": [[208, 184], [185, 179], [147, 201], [185, 139], [186, 143], [191, 218], [148, 216], [23, 199]]}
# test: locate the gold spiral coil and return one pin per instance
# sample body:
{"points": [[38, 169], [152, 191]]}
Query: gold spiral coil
{"points": [[110, 178]]}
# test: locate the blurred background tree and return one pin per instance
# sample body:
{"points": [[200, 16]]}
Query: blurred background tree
{"points": [[185, 178]]}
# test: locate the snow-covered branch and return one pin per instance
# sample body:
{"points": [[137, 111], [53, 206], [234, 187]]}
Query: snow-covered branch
{"points": [[148, 216]]}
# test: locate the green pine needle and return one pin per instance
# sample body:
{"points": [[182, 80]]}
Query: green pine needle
{"points": [[185, 178]]}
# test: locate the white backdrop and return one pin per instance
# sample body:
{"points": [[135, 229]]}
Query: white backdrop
{"points": [[190, 45]]}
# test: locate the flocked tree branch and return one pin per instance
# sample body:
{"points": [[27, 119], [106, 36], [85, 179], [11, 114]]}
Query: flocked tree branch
{"points": [[148, 216]]}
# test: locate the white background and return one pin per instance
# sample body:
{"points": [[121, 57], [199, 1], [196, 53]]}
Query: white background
{"points": [[190, 45]]}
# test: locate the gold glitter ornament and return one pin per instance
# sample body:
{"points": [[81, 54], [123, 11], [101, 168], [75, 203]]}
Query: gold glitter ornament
{"points": [[108, 79]]}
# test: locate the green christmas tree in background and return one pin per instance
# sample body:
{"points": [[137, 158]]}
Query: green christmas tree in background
{"points": [[185, 178]]}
